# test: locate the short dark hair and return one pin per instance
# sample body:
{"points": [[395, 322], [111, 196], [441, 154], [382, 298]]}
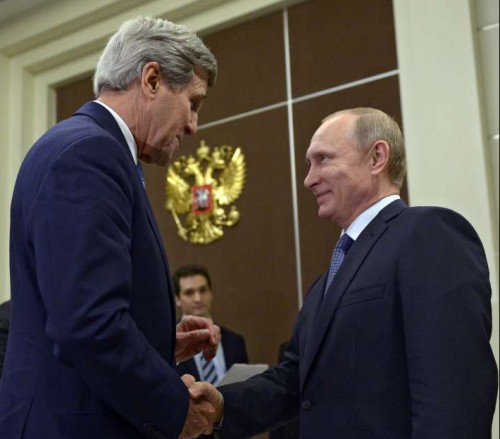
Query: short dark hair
{"points": [[187, 271]]}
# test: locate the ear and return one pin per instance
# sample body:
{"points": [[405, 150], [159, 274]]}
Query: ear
{"points": [[150, 79], [379, 157], [178, 301]]}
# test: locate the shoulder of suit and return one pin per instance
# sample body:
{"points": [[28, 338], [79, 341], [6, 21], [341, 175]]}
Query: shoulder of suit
{"points": [[441, 220], [227, 332], [432, 212]]}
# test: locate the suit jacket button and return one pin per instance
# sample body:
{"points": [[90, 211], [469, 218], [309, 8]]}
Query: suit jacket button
{"points": [[306, 405]]}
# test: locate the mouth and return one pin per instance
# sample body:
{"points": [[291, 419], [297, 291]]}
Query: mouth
{"points": [[320, 196], [173, 146]]}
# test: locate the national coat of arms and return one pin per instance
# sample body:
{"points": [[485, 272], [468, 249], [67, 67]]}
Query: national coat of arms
{"points": [[201, 190]]}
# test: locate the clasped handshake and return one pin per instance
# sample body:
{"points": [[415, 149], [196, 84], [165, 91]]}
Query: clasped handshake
{"points": [[193, 335]]}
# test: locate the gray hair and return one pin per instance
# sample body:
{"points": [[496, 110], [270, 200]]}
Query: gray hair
{"points": [[372, 125], [177, 50]]}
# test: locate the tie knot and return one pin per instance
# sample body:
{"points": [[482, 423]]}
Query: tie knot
{"points": [[344, 242]]}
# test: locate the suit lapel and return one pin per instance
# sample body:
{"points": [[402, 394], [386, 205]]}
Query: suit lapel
{"points": [[310, 345], [325, 307]]}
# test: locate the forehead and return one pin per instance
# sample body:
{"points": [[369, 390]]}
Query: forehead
{"points": [[194, 281], [331, 134]]}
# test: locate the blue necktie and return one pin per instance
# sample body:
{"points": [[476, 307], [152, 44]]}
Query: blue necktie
{"points": [[141, 175], [208, 370], [338, 256]]}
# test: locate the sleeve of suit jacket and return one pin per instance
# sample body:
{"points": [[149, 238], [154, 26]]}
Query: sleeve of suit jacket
{"points": [[446, 310], [81, 230], [263, 402]]}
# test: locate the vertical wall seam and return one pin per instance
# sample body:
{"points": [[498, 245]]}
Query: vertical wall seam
{"points": [[293, 172]]}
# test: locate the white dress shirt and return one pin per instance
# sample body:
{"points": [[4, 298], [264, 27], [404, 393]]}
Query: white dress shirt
{"points": [[366, 217], [125, 130]]}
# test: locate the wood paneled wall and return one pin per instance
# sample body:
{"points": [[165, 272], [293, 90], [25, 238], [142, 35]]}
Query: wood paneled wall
{"points": [[342, 54]]}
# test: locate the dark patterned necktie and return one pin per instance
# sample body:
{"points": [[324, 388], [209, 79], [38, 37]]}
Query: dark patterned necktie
{"points": [[338, 256], [208, 370]]}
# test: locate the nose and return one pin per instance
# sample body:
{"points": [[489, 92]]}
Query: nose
{"points": [[197, 296], [192, 125], [311, 178]]}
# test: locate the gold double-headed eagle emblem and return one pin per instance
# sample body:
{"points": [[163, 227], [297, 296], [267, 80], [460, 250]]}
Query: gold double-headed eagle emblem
{"points": [[218, 178]]}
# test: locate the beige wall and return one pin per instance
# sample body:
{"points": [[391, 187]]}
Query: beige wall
{"points": [[448, 65], [486, 27]]}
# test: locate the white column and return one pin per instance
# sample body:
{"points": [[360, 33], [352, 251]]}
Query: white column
{"points": [[4, 179], [443, 119]]}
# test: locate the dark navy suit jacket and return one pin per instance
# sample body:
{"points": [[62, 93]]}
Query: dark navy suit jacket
{"points": [[397, 349], [92, 335], [234, 352]]}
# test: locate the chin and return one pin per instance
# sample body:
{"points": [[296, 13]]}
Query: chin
{"points": [[162, 159], [323, 213]]}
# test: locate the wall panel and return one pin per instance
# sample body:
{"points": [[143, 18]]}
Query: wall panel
{"points": [[253, 264], [339, 41], [254, 267], [251, 68], [72, 96]]}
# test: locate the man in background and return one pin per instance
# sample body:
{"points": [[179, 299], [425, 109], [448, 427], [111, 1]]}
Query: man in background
{"points": [[393, 341], [93, 341], [194, 297]]}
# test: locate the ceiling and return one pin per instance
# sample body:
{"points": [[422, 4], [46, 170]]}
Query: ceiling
{"points": [[10, 9]]}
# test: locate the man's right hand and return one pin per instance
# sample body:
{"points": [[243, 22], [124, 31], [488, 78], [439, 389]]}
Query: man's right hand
{"points": [[205, 408], [205, 391]]}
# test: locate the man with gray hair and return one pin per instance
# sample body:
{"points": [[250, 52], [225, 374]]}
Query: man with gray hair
{"points": [[392, 341], [93, 343]]}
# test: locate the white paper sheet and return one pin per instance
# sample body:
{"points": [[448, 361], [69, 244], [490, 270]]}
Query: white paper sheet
{"points": [[240, 372]]}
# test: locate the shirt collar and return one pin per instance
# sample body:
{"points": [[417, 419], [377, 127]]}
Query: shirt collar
{"points": [[129, 138], [363, 219]]}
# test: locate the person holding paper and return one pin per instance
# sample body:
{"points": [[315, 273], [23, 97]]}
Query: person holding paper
{"points": [[393, 341], [194, 296]]}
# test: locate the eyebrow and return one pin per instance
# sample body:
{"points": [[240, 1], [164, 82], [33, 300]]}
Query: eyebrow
{"points": [[315, 152], [199, 98]]}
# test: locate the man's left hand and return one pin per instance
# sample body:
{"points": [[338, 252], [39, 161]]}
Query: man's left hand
{"points": [[196, 334]]}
